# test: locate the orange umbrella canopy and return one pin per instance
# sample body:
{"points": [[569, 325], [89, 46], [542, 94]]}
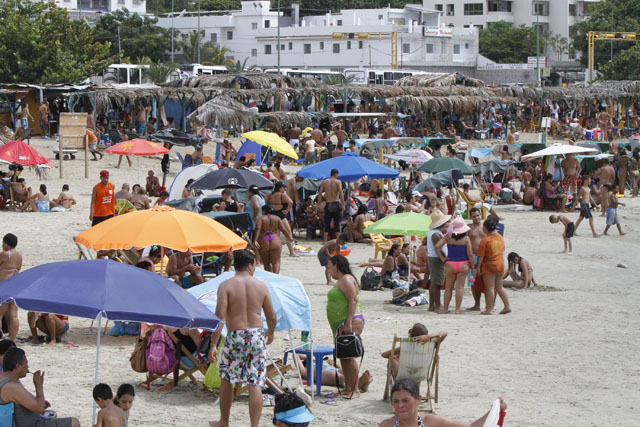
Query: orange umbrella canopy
{"points": [[164, 226], [137, 147]]}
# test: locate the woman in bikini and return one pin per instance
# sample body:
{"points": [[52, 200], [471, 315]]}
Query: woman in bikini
{"points": [[458, 262], [32, 201], [420, 259], [520, 271], [405, 398], [344, 314], [281, 204], [65, 199], [268, 241]]}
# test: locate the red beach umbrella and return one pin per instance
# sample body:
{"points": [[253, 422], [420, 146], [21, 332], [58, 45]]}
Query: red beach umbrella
{"points": [[21, 153], [137, 147]]}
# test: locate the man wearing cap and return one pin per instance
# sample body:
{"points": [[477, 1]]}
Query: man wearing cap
{"points": [[102, 200], [290, 410]]}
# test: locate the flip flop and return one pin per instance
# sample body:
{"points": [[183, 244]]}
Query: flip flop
{"points": [[330, 402]]}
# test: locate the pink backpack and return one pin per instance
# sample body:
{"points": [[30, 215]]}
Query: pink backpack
{"points": [[161, 353]]}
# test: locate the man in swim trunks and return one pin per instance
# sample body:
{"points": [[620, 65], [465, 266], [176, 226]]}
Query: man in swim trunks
{"points": [[181, 263], [241, 300], [294, 135], [567, 234], [330, 248], [607, 175], [10, 265], [476, 234], [586, 202], [571, 168], [330, 191]]}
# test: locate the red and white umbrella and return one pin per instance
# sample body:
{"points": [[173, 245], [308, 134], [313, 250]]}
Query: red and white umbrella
{"points": [[21, 153]]}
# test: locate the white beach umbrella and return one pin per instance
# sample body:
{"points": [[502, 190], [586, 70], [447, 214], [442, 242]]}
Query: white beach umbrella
{"points": [[557, 149]]}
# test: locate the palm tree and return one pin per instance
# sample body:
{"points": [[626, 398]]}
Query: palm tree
{"points": [[210, 53], [338, 79], [240, 67], [159, 72]]}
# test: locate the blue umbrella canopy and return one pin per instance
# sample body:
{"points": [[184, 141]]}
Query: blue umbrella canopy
{"points": [[350, 166], [115, 290], [288, 297]]}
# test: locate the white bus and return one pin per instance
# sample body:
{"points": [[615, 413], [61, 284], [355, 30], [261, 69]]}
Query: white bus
{"points": [[202, 70], [127, 74], [309, 74], [379, 77]]}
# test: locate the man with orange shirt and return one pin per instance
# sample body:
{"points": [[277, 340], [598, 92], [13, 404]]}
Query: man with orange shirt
{"points": [[102, 200]]}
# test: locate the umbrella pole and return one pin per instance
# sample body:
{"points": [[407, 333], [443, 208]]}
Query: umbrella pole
{"points": [[95, 378]]}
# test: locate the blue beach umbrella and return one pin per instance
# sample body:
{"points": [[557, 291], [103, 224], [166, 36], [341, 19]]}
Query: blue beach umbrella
{"points": [[350, 166]]}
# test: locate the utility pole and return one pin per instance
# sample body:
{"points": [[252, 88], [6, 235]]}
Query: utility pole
{"points": [[198, 35], [278, 47], [171, 30], [119, 48], [537, 43], [369, 56], [401, 54]]}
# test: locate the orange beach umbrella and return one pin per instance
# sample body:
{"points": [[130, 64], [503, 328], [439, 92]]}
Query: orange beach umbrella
{"points": [[137, 147], [164, 226]]}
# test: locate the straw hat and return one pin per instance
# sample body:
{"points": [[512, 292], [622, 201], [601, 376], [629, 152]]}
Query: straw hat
{"points": [[458, 226], [438, 218], [399, 292]]}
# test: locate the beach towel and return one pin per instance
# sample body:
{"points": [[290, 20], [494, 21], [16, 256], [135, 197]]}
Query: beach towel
{"points": [[43, 205]]}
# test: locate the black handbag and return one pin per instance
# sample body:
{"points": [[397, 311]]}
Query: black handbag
{"points": [[370, 280], [349, 346]]}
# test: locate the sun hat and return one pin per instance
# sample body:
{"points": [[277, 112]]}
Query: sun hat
{"points": [[296, 415], [399, 292], [416, 193], [438, 218], [457, 226]]}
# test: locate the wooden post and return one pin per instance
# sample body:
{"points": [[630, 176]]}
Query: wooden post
{"points": [[86, 156], [60, 152]]}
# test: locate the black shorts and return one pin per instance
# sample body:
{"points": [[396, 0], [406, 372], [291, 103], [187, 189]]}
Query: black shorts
{"points": [[571, 228], [332, 211], [585, 211], [99, 219]]}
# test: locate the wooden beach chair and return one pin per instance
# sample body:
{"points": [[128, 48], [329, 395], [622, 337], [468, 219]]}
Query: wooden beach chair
{"points": [[418, 362]]}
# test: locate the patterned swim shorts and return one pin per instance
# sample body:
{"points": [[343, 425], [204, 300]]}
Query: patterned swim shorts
{"points": [[244, 357]]}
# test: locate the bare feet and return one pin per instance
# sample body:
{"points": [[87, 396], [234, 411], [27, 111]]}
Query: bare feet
{"points": [[570, 253], [474, 308], [459, 312], [605, 234], [329, 283], [35, 339], [216, 424], [52, 343], [364, 381], [351, 394], [596, 235], [505, 311], [488, 313], [622, 234], [295, 255], [443, 311]]}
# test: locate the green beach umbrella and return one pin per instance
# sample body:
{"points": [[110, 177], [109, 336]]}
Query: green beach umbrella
{"points": [[404, 224], [441, 164]]}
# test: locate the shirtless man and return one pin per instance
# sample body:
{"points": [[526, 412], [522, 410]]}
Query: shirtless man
{"points": [[43, 110], [621, 160], [141, 119], [140, 200], [25, 115], [317, 135], [330, 191], [292, 191], [530, 192], [388, 131], [355, 226], [123, 193], [181, 263], [152, 184], [476, 234], [413, 203], [571, 168], [65, 199], [294, 135], [607, 176], [241, 301], [341, 135], [10, 265], [586, 203]]}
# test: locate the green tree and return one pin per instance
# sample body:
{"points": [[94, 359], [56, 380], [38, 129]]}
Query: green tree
{"points": [[606, 16], [559, 44], [338, 79], [40, 44], [139, 35], [210, 53], [159, 72], [240, 67], [625, 65], [505, 44]]}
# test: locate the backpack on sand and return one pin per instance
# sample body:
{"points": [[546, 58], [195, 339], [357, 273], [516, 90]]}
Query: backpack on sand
{"points": [[161, 353]]}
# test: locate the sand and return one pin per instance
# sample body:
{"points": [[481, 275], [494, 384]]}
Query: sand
{"points": [[566, 356]]}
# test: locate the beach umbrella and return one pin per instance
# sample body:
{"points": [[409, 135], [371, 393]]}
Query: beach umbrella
{"points": [[21, 153], [440, 179], [403, 224], [106, 289], [192, 172], [495, 166], [273, 141], [441, 164], [557, 149], [176, 137], [411, 156], [350, 166], [137, 147], [231, 178], [164, 226]]}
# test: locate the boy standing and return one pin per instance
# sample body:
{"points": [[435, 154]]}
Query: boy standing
{"points": [[326, 251], [586, 202], [569, 229], [612, 211], [110, 415]]}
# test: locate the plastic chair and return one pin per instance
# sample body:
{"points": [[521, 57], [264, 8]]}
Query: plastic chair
{"points": [[7, 415]]}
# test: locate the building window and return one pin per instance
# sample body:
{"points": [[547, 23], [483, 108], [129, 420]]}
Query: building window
{"points": [[451, 10], [119, 1], [541, 9], [456, 49], [214, 37], [307, 48], [349, 45], [406, 48], [466, 45], [321, 45], [440, 7], [429, 48], [254, 25], [336, 48], [572, 10], [290, 46], [498, 6], [473, 8], [281, 47], [267, 49], [444, 46], [339, 23], [229, 35], [380, 17], [267, 23], [360, 44], [254, 52]]}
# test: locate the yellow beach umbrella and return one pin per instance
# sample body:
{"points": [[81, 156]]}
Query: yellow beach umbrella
{"points": [[273, 141]]}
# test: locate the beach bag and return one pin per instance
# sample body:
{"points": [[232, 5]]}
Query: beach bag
{"points": [[138, 357], [349, 346], [370, 280], [161, 353], [204, 346], [390, 279], [212, 378]]}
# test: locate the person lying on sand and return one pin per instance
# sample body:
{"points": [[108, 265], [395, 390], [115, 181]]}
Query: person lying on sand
{"points": [[329, 375]]}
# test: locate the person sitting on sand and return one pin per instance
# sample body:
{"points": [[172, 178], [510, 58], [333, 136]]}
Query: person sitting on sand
{"points": [[123, 193], [567, 234], [421, 335], [523, 277], [355, 225], [28, 408], [162, 198], [109, 415], [65, 199], [140, 200], [53, 325], [331, 372], [530, 192], [326, 252], [405, 398], [152, 184], [181, 263], [37, 202]]}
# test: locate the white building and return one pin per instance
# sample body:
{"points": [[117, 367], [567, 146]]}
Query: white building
{"points": [[92, 8], [355, 38], [555, 16]]}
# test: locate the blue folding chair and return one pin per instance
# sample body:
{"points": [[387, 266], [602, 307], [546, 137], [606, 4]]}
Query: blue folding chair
{"points": [[6, 415]]}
